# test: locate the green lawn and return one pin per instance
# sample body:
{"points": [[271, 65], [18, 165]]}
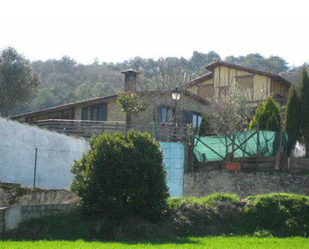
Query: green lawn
{"points": [[207, 242]]}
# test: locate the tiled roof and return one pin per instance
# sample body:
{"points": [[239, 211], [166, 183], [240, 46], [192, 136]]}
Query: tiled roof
{"points": [[65, 106], [198, 80], [105, 98]]}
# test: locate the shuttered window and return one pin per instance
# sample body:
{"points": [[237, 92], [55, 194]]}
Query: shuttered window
{"points": [[85, 113], [99, 113], [167, 115]]}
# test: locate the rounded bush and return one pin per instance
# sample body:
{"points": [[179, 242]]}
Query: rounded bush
{"points": [[122, 174]]}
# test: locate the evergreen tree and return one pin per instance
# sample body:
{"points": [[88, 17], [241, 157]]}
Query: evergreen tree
{"points": [[292, 122], [205, 127], [304, 109], [267, 116]]}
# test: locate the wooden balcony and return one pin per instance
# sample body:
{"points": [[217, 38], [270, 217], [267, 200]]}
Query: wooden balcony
{"points": [[83, 128], [89, 128]]}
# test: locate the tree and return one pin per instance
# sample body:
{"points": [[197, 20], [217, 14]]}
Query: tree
{"points": [[205, 127], [122, 174], [267, 116], [229, 113], [304, 109], [293, 120], [131, 105], [18, 80]]}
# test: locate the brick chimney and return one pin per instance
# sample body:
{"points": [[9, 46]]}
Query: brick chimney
{"points": [[130, 80]]}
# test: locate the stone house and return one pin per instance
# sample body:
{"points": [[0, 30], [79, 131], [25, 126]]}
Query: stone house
{"points": [[161, 108], [222, 75]]}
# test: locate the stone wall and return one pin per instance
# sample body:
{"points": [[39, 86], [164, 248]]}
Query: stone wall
{"points": [[299, 164], [143, 121], [15, 195], [266, 164], [114, 112], [243, 184], [11, 217]]}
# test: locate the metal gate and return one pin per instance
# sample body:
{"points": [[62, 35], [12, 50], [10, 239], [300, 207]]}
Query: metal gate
{"points": [[174, 165]]}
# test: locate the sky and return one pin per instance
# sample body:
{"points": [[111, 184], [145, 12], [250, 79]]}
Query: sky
{"points": [[114, 30]]}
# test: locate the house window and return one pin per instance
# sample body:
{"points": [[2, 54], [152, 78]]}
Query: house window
{"points": [[85, 113], [99, 113], [246, 82], [196, 121], [66, 114], [167, 115]]}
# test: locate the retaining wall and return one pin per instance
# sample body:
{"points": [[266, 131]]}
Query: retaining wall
{"points": [[249, 164], [243, 184], [12, 194], [11, 217]]}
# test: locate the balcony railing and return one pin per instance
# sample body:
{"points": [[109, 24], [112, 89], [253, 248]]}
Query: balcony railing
{"points": [[83, 128], [88, 128]]}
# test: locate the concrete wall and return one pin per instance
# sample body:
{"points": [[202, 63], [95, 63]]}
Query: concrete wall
{"points": [[244, 184], [55, 155], [174, 160], [11, 217]]}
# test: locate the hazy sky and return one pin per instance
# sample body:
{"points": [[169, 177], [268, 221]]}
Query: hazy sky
{"points": [[114, 31]]}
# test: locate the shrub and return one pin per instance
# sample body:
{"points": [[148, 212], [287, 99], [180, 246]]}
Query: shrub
{"points": [[267, 116], [122, 174], [205, 127], [286, 214]]}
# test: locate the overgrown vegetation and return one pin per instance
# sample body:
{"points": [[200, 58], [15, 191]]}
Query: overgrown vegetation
{"points": [[271, 215], [280, 214], [122, 174]]}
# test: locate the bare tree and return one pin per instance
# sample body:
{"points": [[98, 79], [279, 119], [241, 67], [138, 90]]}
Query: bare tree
{"points": [[231, 111]]}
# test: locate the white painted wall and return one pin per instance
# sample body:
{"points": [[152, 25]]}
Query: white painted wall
{"points": [[56, 154]]}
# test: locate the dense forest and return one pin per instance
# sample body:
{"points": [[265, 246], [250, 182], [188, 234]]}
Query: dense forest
{"points": [[65, 80]]}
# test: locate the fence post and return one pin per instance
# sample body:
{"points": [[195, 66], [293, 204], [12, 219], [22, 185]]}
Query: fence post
{"points": [[257, 147], [154, 129], [35, 164]]}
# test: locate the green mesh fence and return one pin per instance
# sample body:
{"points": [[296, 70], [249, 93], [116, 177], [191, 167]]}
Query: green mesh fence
{"points": [[208, 149]]}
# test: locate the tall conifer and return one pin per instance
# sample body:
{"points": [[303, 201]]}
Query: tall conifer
{"points": [[304, 110], [292, 121]]}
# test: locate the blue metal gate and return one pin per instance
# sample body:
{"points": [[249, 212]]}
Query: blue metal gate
{"points": [[174, 165]]}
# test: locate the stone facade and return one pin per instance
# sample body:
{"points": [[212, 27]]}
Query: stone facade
{"points": [[243, 184], [15, 195], [143, 121], [114, 112]]}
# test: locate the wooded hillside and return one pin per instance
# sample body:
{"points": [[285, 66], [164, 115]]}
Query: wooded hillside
{"points": [[65, 80]]}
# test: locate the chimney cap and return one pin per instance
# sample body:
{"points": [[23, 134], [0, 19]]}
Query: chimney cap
{"points": [[130, 71]]}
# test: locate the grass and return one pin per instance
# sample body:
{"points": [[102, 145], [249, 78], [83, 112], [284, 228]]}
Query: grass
{"points": [[207, 242]]}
